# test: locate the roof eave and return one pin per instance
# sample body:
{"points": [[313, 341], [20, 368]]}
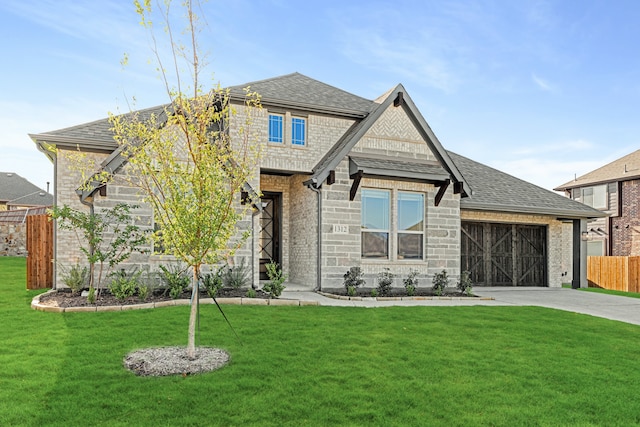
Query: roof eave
{"points": [[565, 213]]}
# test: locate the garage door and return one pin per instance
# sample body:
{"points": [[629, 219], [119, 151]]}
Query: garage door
{"points": [[504, 254]]}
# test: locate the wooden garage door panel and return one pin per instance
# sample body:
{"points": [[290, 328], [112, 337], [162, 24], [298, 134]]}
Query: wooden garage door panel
{"points": [[504, 254]]}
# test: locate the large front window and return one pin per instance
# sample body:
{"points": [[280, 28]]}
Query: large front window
{"points": [[410, 225], [392, 224], [375, 223]]}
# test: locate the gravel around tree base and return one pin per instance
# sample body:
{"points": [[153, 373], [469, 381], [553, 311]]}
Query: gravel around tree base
{"points": [[164, 361]]}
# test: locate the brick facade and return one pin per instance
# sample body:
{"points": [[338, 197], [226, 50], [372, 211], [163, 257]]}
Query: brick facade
{"points": [[625, 229]]}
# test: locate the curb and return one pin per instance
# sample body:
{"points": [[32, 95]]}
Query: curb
{"points": [[36, 305], [423, 298]]}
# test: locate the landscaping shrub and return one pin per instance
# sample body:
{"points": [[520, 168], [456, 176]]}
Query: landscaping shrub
{"points": [[411, 282], [274, 287], [213, 282], [251, 293], [123, 284], [440, 282], [237, 277], [176, 280], [76, 278], [353, 279], [385, 280], [464, 284]]}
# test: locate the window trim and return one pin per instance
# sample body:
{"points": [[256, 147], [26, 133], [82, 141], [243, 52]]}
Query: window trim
{"points": [[297, 120], [388, 230], [398, 232], [393, 232], [281, 123]]}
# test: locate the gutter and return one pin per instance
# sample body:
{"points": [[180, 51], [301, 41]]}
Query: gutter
{"points": [[312, 185]]}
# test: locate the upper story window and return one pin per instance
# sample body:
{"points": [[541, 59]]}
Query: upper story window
{"points": [[298, 131], [276, 128], [595, 196]]}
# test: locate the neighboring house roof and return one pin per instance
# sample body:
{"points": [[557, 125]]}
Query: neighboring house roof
{"points": [[299, 91], [497, 191], [623, 169], [17, 191], [19, 216]]}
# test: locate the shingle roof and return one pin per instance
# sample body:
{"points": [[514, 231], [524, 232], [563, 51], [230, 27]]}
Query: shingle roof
{"points": [[16, 190], [623, 169], [299, 91], [497, 191]]}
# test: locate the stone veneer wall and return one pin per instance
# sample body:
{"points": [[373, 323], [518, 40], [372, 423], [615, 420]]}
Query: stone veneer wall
{"points": [[341, 248], [68, 243], [559, 240], [13, 239]]}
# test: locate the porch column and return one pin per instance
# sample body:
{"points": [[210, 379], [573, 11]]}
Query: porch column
{"points": [[579, 255]]}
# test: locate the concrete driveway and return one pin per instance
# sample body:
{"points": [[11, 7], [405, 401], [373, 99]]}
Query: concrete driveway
{"points": [[612, 307]]}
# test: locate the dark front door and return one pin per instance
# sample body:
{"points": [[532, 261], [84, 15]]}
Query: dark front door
{"points": [[504, 254], [270, 231]]}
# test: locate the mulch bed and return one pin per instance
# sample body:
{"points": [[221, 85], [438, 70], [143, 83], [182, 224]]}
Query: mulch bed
{"points": [[65, 298], [399, 292]]}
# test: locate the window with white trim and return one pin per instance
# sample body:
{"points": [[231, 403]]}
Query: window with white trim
{"points": [[375, 224], [410, 225]]}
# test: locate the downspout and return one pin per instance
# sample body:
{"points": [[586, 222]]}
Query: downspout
{"points": [[312, 187], [91, 247]]}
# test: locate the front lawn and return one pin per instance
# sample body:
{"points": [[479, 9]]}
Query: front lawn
{"points": [[504, 366]]}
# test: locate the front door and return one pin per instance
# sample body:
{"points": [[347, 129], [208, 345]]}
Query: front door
{"points": [[270, 231]]}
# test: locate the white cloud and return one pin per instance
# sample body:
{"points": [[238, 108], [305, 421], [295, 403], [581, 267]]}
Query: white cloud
{"points": [[541, 83]]}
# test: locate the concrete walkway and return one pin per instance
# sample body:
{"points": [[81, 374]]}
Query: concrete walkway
{"points": [[612, 307]]}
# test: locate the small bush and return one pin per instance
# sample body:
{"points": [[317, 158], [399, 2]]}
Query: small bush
{"points": [[176, 279], [251, 293], [144, 290], [237, 277], [76, 278], [91, 297], [274, 287], [411, 282], [440, 282], [353, 279], [124, 285], [213, 282], [464, 284], [385, 280], [374, 293]]}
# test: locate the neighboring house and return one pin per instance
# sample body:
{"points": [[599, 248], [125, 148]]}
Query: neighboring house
{"points": [[18, 193], [348, 181], [615, 190]]}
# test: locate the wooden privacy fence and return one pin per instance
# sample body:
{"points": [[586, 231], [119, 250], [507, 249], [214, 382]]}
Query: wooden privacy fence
{"points": [[39, 252], [618, 273]]}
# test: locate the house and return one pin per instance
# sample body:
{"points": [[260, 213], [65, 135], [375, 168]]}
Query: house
{"points": [[347, 181], [614, 189], [18, 193]]}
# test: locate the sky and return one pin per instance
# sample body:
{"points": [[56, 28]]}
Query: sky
{"points": [[542, 90]]}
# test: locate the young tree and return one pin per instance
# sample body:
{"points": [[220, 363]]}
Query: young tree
{"points": [[187, 163]]}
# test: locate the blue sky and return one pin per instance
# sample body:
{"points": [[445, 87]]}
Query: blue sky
{"points": [[542, 90]]}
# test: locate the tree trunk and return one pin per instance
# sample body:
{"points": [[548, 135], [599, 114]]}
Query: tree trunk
{"points": [[193, 316]]}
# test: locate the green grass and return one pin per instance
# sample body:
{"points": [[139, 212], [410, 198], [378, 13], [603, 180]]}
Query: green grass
{"points": [[611, 292], [317, 366]]}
